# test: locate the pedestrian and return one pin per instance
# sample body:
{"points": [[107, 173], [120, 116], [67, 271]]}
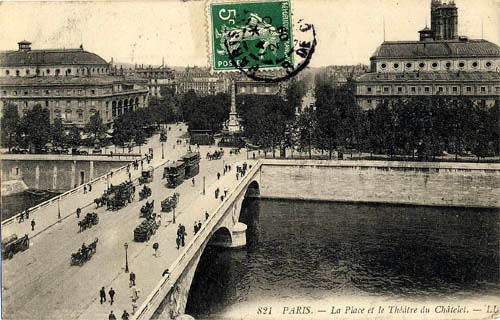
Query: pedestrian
{"points": [[237, 176], [221, 198], [225, 192], [125, 315], [33, 225], [156, 246], [111, 316], [254, 155], [78, 211], [193, 181], [165, 273], [199, 225], [134, 307], [132, 279], [135, 294], [178, 242], [102, 294], [84, 189], [129, 176], [218, 175], [206, 215], [195, 227], [27, 214], [111, 293], [21, 217]]}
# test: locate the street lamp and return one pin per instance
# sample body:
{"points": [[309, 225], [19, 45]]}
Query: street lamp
{"points": [[223, 171], [59, 208], [173, 214], [126, 257], [162, 154]]}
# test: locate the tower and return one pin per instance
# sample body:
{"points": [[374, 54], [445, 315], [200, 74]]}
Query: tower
{"points": [[444, 20]]}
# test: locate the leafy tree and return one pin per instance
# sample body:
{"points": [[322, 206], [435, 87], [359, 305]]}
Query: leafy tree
{"points": [[36, 127], [305, 126], [95, 128], [73, 138], [58, 133], [10, 125]]}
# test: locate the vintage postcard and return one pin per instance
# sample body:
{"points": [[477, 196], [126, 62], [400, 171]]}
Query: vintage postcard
{"points": [[250, 159]]}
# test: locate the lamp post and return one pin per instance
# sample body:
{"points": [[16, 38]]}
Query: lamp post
{"points": [[203, 185], [59, 208], [162, 154], [126, 257], [173, 214], [223, 171]]}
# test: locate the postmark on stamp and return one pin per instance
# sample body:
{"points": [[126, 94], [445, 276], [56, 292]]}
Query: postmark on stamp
{"points": [[251, 34]]}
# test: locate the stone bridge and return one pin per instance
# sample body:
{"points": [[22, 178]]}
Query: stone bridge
{"points": [[392, 183], [168, 299]]}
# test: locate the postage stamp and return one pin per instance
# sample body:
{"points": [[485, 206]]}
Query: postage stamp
{"points": [[249, 35]]}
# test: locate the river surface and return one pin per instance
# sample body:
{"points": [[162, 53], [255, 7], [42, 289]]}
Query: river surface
{"points": [[313, 251], [14, 204]]}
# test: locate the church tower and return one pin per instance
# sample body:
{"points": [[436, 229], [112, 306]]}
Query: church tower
{"points": [[444, 20]]}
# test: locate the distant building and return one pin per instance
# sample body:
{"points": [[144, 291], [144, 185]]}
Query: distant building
{"points": [[158, 78], [441, 62], [72, 84]]}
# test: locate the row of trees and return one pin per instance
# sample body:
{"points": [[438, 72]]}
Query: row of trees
{"points": [[423, 127], [34, 131]]}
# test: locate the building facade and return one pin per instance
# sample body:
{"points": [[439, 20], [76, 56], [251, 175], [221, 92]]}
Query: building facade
{"points": [[72, 84], [441, 62]]}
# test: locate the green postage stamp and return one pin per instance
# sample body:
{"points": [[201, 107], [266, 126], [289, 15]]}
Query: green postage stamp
{"points": [[248, 35]]}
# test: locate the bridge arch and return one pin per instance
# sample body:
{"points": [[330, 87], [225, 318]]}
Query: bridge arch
{"points": [[220, 237], [253, 190]]}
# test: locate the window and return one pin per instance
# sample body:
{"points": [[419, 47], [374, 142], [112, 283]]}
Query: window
{"points": [[80, 92], [400, 89], [408, 65], [4, 92], [413, 89], [68, 71], [80, 115], [474, 64], [57, 113], [396, 65], [421, 65], [47, 92], [468, 89], [92, 91], [68, 114], [57, 72], [25, 93], [497, 89], [455, 89], [427, 89], [7, 72], [386, 89], [47, 71], [483, 89], [17, 73], [488, 64], [46, 103], [369, 89], [448, 64], [369, 101], [440, 89], [434, 65], [37, 71], [461, 64], [14, 93], [383, 65]]}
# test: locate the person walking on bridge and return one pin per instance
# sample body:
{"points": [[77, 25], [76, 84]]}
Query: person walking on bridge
{"points": [[111, 295], [132, 279], [27, 214], [125, 315], [33, 225], [112, 316], [102, 294], [21, 217]]}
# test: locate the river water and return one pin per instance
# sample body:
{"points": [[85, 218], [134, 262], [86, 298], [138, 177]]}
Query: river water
{"points": [[16, 203], [313, 251]]}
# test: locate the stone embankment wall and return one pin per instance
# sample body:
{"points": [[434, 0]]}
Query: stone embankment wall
{"points": [[55, 174], [413, 183]]}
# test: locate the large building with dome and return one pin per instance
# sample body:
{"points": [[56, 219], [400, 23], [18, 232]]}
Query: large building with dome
{"points": [[72, 84], [440, 63]]}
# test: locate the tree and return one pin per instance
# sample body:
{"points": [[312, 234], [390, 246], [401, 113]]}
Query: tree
{"points": [[10, 125], [305, 125], [73, 138], [58, 133], [95, 128], [36, 127]]}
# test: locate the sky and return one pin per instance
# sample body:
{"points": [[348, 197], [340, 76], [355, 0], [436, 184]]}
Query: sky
{"points": [[144, 32]]}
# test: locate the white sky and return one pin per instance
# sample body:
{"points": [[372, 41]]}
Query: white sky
{"points": [[348, 31]]}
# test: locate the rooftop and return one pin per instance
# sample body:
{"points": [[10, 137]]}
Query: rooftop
{"points": [[441, 49], [49, 57]]}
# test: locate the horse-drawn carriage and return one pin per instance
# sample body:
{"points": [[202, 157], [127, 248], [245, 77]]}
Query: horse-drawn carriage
{"points": [[217, 154], [84, 253], [146, 229], [117, 197], [13, 244], [163, 136], [146, 176], [234, 151], [145, 193], [169, 203], [147, 209], [91, 219]]}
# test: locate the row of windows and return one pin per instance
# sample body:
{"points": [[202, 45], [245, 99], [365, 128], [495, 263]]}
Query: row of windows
{"points": [[49, 92], [57, 72], [482, 89], [435, 65]]}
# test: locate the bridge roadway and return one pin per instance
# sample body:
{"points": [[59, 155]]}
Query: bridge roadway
{"points": [[39, 283]]}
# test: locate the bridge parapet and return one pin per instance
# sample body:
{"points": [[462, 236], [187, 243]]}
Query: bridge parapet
{"points": [[170, 294]]}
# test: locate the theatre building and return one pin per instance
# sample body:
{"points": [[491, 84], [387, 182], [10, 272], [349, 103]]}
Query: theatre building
{"points": [[72, 84], [440, 63]]}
